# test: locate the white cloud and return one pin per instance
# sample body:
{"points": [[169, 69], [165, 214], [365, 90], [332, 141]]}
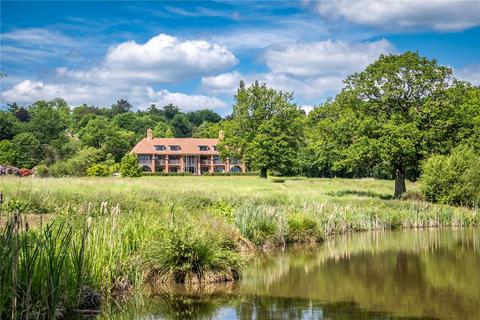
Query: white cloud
{"points": [[161, 59], [439, 15], [131, 71], [309, 70], [75, 94], [324, 58], [470, 73]]}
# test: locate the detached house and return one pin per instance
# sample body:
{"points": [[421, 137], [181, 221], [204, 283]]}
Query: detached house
{"points": [[195, 155]]}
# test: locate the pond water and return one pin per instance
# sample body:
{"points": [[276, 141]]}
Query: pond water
{"points": [[409, 274]]}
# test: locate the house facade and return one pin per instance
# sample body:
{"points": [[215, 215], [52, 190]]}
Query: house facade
{"points": [[194, 155]]}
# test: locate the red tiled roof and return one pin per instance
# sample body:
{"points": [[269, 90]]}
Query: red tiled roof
{"points": [[187, 146]]}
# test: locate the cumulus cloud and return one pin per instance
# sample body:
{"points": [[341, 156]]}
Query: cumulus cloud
{"points": [[470, 73], [28, 91], [310, 70], [131, 70], [161, 59], [439, 15], [324, 58]]}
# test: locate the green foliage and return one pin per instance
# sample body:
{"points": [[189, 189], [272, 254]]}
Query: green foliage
{"points": [[302, 228], [129, 166], [42, 171], [28, 149], [259, 224], [182, 128], [98, 170], [265, 129], [77, 165], [8, 153], [183, 252], [453, 179]]}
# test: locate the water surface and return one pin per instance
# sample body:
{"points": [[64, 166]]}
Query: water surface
{"points": [[409, 274]]}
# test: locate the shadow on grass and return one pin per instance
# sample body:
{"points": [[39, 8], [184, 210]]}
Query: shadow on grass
{"points": [[370, 194]]}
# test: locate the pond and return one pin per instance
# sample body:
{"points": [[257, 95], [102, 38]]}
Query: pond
{"points": [[408, 274]]}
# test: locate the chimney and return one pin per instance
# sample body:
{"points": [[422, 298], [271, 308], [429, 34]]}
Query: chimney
{"points": [[149, 134], [221, 134]]}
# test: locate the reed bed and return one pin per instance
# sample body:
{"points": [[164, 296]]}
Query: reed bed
{"points": [[102, 238]]}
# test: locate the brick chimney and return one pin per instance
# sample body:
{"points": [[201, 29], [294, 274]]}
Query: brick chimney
{"points": [[149, 134]]}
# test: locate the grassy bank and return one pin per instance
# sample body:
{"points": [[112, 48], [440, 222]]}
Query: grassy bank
{"points": [[97, 238]]}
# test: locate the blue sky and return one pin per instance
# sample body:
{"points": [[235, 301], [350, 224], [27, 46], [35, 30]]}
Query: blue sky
{"points": [[194, 53]]}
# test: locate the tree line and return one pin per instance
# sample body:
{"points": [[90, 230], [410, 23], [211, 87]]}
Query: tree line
{"points": [[386, 121]]}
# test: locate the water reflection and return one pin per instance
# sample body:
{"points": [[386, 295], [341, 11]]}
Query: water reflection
{"points": [[414, 274]]}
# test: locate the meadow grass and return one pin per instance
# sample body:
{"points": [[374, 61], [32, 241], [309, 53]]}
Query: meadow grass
{"points": [[104, 237]]}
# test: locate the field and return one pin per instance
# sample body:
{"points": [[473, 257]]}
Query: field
{"points": [[92, 239]]}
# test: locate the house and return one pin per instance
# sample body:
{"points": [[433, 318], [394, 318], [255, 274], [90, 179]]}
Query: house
{"points": [[195, 155]]}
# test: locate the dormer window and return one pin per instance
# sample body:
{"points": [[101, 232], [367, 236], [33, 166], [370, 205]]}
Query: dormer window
{"points": [[174, 148], [214, 148], [203, 148], [160, 148]]}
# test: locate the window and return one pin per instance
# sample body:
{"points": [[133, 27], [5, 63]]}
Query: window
{"points": [[203, 148], [214, 148], [174, 148], [143, 157], [159, 148]]}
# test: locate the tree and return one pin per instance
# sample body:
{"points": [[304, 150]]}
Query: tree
{"points": [[28, 149], [170, 111], [121, 106], [182, 128], [46, 122], [9, 125], [200, 116], [265, 129], [381, 106], [206, 130], [129, 166], [8, 153], [163, 130]]}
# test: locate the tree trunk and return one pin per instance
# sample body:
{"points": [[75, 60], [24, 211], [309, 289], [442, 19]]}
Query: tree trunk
{"points": [[263, 173], [400, 187]]}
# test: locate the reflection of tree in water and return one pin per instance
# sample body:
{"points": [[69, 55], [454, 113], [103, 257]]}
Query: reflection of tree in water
{"points": [[291, 308], [408, 273], [365, 276]]}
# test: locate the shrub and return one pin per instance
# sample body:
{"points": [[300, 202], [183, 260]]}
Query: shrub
{"points": [[98, 170], [42, 171], [129, 166], [183, 253], [25, 172], [77, 165], [453, 179], [10, 170], [278, 180]]}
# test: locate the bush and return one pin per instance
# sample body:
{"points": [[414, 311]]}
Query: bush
{"points": [[129, 166], [9, 170], [77, 165], [42, 171], [98, 170], [278, 180], [25, 172], [453, 179], [182, 253]]}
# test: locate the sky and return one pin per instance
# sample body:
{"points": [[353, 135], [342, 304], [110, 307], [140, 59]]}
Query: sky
{"points": [[193, 54]]}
